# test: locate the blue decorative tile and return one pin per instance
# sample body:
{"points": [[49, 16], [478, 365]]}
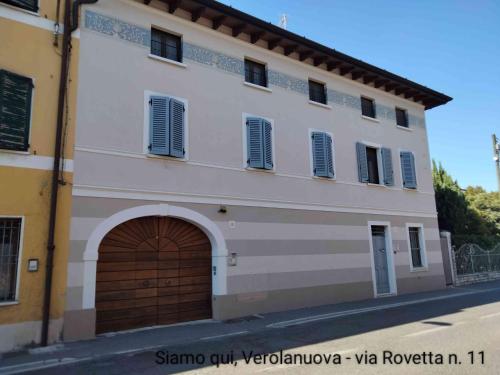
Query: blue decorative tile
{"points": [[352, 101], [111, 26], [335, 97], [198, 54], [230, 64]]}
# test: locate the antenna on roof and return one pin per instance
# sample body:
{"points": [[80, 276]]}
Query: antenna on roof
{"points": [[283, 21]]}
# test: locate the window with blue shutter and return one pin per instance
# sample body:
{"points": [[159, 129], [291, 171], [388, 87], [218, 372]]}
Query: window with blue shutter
{"points": [[166, 126], [408, 170], [387, 166], [31, 5], [322, 154], [259, 143], [15, 111]]}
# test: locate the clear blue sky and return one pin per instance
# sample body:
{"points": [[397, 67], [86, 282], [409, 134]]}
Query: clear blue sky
{"points": [[450, 46]]}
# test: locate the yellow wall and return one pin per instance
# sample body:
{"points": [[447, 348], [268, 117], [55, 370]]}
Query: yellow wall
{"points": [[29, 196], [28, 50]]}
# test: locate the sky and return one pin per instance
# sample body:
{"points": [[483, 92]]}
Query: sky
{"points": [[450, 46]]}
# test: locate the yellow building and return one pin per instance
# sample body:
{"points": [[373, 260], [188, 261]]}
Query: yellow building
{"points": [[31, 53]]}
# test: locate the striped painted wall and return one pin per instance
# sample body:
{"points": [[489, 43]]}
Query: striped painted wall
{"points": [[286, 258]]}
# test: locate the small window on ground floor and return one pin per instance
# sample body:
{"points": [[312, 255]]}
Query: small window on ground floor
{"points": [[416, 247], [10, 239]]}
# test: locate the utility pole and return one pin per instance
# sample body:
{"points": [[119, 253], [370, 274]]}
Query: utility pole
{"points": [[496, 157]]}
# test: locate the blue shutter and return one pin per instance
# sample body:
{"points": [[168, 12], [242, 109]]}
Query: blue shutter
{"points": [[387, 165], [329, 156], [176, 128], [362, 162], [408, 170], [159, 125], [320, 167], [255, 151], [267, 144], [322, 154]]}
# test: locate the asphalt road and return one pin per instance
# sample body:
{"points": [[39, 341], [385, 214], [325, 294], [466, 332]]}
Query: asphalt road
{"points": [[462, 333]]}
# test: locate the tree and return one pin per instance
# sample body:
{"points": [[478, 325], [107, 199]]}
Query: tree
{"points": [[450, 201], [471, 215]]}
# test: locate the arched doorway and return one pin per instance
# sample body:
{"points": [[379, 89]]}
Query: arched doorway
{"points": [[152, 270]]}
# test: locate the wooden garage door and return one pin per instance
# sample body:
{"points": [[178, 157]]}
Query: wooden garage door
{"points": [[152, 270]]}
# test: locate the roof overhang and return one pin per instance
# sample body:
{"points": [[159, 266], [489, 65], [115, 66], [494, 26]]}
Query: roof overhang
{"points": [[306, 50]]}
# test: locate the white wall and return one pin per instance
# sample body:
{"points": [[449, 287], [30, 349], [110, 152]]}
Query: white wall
{"points": [[115, 73]]}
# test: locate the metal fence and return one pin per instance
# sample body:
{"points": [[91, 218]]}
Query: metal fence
{"points": [[471, 259]]}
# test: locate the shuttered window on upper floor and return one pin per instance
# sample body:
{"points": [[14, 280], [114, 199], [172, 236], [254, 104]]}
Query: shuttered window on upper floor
{"points": [[31, 5], [259, 143], [166, 126], [322, 153], [368, 107], [255, 73], [408, 170], [374, 164], [166, 45], [401, 117], [15, 111], [317, 92]]}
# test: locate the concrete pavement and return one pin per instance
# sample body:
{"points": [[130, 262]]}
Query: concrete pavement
{"points": [[449, 322]]}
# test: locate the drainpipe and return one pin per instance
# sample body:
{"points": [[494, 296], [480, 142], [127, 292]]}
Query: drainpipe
{"points": [[63, 78], [76, 5]]}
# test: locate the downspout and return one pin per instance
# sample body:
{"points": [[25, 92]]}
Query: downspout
{"points": [[76, 5], [69, 27]]}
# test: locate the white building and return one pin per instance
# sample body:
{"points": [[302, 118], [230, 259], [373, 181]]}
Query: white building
{"points": [[225, 167]]}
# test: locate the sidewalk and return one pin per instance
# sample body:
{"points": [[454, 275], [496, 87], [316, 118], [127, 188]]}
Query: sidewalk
{"points": [[128, 342]]}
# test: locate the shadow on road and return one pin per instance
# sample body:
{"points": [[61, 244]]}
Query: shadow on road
{"points": [[268, 341]]}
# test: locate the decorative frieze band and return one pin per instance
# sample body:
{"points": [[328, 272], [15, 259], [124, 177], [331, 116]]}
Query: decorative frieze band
{"points": [[142, 36]]}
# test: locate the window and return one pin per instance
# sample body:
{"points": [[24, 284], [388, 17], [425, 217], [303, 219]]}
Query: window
{"points": [[372, 161], [401, 117], [10, 239], [416, 245], [15, 111], [259, 143], [166, 45], [31, 5], [317, 92], [368, 107], [166, 126], [255, 73], [408, 170], [322, 154], [374, 164]]}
